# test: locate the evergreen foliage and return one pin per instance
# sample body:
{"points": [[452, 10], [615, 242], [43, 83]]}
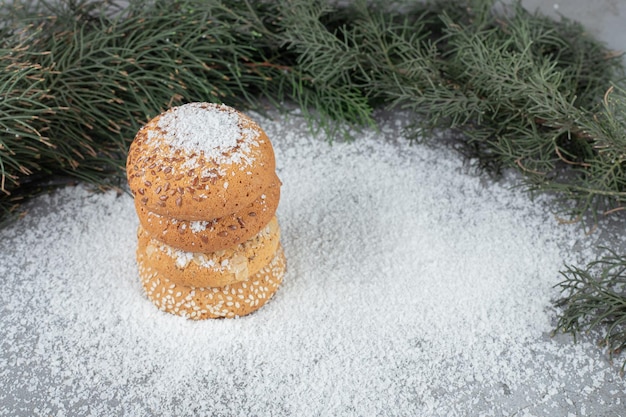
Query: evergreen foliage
{"points": [[78, 78], [594, 297]]}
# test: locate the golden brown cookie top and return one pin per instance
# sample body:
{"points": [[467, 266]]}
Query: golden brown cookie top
{"points": [[199, 161]]}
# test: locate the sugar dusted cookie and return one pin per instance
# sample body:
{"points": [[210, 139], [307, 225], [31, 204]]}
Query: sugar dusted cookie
{"points": [[212, 234], [199, 303], [214, 269], [199, 161]]}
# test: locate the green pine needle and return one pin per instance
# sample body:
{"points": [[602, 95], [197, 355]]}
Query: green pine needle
{"points": [[595, 297]]}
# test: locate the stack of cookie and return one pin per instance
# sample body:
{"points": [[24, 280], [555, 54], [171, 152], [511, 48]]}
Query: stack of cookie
{"points": [[206, 191]]}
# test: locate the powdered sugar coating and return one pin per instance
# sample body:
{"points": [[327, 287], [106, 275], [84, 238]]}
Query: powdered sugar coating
{"points": [[213, 130], [198, 226]]}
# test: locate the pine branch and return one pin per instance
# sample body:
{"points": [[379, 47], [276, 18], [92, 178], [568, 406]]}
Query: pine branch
{"points": [[54, 121], [596, 297]]}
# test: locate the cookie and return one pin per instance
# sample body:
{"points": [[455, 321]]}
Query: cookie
{"points": [[199, 161], [214, 269], [198, 303], [212, 235]]}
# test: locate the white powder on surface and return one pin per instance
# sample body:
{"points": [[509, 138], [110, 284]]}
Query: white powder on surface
{"points": [[198, 226], [182, 257], [212, 130], [413, 289]]}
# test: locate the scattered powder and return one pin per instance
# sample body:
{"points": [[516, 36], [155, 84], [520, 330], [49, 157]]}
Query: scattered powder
{"points": [[198, 226], [182, 257], [193, 127], [414, 288], [210, 129], [207, 263]]}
